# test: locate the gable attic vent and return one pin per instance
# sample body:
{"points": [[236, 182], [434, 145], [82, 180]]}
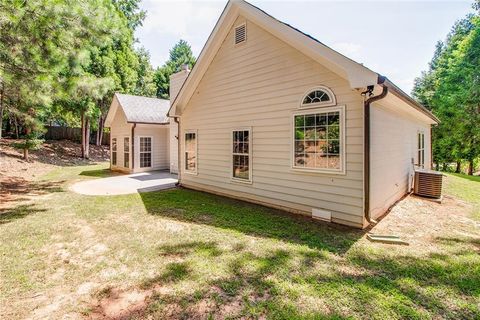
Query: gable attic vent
{"points": [[240, 34]]}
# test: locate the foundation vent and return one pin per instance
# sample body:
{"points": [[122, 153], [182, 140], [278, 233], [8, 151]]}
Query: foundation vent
{"points": [[428, 183], [240, 34]]}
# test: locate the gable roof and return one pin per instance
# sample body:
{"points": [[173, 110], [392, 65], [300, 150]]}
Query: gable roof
{"points": [[139, 109], [357, 74]]}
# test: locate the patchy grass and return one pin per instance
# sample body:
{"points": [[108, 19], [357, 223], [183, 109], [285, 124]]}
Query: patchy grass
{"points": [[466, 188], [186, 254]]}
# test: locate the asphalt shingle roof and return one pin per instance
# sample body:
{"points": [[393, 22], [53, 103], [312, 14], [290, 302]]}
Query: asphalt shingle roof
{"points": [[144, 109]]}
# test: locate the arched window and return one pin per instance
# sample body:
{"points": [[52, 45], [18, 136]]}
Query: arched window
{"points": [[320, 96]]}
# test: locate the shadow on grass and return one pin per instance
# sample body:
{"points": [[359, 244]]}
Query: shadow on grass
{"points": [[19, 212], [100, 173], [202, 208], [302, 283], [272, 285], [17, 189]]}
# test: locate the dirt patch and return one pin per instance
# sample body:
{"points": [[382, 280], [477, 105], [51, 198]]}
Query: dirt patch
{"points": [[50, 155], [17, 175], [423, 223]]}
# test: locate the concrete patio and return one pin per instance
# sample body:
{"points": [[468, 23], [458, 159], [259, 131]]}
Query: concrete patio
{"points": [[126, 184]]}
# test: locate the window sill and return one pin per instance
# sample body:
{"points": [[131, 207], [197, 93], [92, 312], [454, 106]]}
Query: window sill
{"points": [[192, 173], [317, 171], [241, 181]]}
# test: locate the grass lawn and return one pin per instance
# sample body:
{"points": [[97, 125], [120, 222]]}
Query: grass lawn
{"points": [[466, 188], [186, 254]]}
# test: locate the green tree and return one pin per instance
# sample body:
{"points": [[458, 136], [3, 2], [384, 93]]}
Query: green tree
{"points": [[180, 54], [38, 39], [450, 89]]}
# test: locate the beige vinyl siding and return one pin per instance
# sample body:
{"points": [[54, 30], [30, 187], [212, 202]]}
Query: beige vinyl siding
{"points": [[393, 146], [160, 146], [260, 84], [120, 129]]}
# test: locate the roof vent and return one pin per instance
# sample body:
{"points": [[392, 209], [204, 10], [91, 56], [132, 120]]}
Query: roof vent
{"points": [[428, 183], [240, 34]]}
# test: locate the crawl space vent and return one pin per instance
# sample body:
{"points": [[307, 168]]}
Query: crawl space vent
{"points": [[240, 34]]}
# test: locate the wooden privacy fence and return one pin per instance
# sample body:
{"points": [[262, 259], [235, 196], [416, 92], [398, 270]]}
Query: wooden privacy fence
{"points": [[73, 134]]}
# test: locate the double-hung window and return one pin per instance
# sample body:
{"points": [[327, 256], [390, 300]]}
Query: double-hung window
{"points": [[421, 149], [241, 155], [191, 152], [126, 152], [319, 140], [114, 151], [145, 152]]}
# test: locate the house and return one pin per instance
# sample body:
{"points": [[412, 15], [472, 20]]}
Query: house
{"points": [[139, 133], [272, 116]]}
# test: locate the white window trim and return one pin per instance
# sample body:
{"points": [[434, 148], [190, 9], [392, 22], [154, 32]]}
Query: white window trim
{"points": [[111, 151], [342, 170], [151, 152], [331, 103], [250, 145], [235, 31], [184, 170], [419, 164], [129, 151]]}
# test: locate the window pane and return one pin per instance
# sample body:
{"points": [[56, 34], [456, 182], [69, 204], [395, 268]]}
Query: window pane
{"points": [[310, 146], [333, 161], [300, 133], [309, 120], [241, 167], [333, 118], [321, 132], [300, 159], [321, 161], [126, 144], [114, 144], [333, 146], [333, 132], [300, 121], [299, 146], [321, 119], [310, 133], [321, 147]]}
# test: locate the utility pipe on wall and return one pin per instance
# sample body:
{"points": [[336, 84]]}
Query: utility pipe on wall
{"points": [[366, 142]]}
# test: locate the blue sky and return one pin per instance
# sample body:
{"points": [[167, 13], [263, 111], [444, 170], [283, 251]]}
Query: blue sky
{"points": [[394, 38]]}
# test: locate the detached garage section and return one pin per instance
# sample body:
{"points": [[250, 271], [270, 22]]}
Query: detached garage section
{"points": [[139, 133]]}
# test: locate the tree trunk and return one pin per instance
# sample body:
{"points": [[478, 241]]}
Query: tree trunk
{"points": [[459, 167], [25, 154], [83, 134], [15, 122], [444, 167], [2, 90], [87, 138], [470, 167], [437, 166], [100, 130]]}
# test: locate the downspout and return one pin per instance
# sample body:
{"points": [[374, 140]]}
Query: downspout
{"points": [[179, 170], [366, 142], [133, 147]]}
